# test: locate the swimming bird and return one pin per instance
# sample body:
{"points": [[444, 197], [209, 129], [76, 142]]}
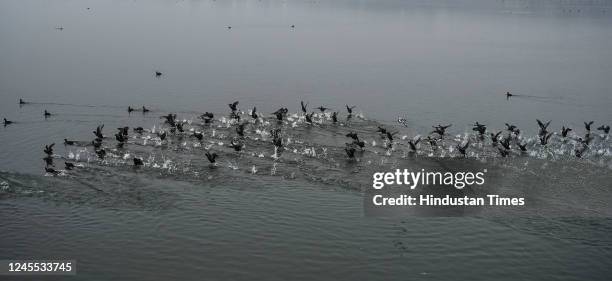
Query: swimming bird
{"points": [[137, 161], [352, 135], [130, 109], [334, 117], [51, 171], [508, 95], [513, 129], [604, 128], [98, 132], [47, 113], [463, 148], [349, 108], [229, 27], [280, 113], [390, 135], [480, 128], [413, 144], [198, 135], [120, 137], [440, 130], [170, 119], [309, 117], [350, 150], [293, 26], [21, 101], [543, 127], [69, 166], [48, 161], [68, 142], [587, 125], [158, 74], [60, 28], [381, 130], [207, 117], [236, 145], [233, 106], [144, 109], [322, 108], [49, 149], [495, 137], [101, 153], [211, 157], [544, 138], [564, 131], [235, 115], [303, 107], [124, 130], [7, 122], [359, 143], [254, 113]]}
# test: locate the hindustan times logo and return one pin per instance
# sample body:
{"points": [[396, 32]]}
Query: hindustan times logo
{"points": [[413, 179]]}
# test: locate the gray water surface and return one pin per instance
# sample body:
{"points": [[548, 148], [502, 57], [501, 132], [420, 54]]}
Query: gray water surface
{"points": [[298, 214]]}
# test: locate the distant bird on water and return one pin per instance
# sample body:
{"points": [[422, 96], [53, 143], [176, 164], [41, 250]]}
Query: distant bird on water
{"points": [[413, 144], [480, 128], [69, 166], [349, 109], [68, 142], [508, 95], [463, 148], [304, 105], [137, 162], [309, 117], [212, 157], [98, 132], [322, 108], [158, 73], [49, 149], [51, 171], [207, 117], [21, 101], [604, 128], [7, 122], [543, 127], [47, 114], [233, 106], [293, 26], [144, 109], [564, 131], [130, 109], [350, 150]]}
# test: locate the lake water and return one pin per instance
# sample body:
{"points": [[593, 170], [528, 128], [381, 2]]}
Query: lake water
{"points": [[298, 213]]}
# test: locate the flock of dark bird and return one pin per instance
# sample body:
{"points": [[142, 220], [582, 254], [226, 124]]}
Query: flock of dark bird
{"points": [[503, 141]]}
